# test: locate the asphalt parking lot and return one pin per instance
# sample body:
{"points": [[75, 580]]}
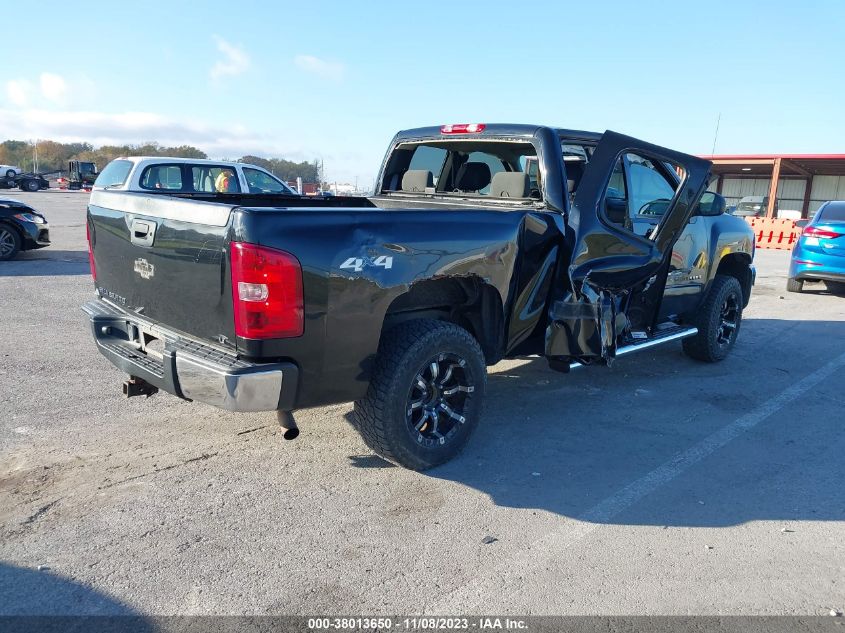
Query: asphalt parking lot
{"points": [[658, 486]]}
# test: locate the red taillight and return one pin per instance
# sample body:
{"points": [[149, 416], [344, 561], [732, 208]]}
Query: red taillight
{"points": [[462, 128], [90, 252], [812, 231], [267, 292]]}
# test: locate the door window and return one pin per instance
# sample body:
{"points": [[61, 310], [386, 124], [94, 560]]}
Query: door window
{"points": [[210, 179], [168, 177], [616, 196], [639, 193], [650, 192]]}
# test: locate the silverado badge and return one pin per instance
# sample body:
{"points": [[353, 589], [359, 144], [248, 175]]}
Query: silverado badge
{"points": [[144, 268]]}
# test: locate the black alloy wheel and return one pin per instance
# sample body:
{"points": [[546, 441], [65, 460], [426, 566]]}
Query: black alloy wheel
{"points": [[437, 399]]}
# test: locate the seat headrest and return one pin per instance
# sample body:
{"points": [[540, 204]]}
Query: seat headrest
{"points": [[416, 180], [473, 176], [510, 184]]}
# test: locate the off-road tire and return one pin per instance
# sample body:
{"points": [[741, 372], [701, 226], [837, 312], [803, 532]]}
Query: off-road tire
{"points": [[10, 242], [708, 345], [382, 416], [794, 285]]}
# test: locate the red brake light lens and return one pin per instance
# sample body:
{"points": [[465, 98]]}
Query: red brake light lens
{"points": [[90, 252], [266, 291], [812, 231], [462, 128]]}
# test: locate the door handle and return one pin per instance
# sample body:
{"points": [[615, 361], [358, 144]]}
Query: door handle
{"points": [[142, 232]]}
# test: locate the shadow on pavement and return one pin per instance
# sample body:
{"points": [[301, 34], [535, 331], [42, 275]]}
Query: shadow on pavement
{"points": [[369, 461], [46, 263], [28, 592], [836, 288], [563, 443]]}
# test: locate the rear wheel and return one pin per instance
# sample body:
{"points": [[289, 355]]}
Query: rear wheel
{"points": [[10, 173], [30, 185], [794, 285], [424, 398], [10, 243], [837, 287], [718, 321]]}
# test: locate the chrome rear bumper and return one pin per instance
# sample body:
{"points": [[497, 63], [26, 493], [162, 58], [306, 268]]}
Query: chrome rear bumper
{"points": [[187, 368]]}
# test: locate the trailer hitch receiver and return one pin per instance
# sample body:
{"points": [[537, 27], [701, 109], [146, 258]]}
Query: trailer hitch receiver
{"points": [[138, 387]]}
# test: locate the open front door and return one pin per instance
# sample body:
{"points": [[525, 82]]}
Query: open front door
{"points": [[631, 205]]}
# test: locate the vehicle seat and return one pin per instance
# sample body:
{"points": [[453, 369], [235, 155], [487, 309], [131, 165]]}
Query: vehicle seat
{"points": [[472, 176], [574, 171], [416, 180], [510, 184]]}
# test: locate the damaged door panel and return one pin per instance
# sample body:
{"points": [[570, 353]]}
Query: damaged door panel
{"points": [[615, 279]]}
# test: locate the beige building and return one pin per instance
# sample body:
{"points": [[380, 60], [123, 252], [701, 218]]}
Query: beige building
{"points": [[799, 182]]}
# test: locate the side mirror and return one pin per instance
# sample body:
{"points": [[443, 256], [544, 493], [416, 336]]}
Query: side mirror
{"points": [[710, 204], [800, 224]]}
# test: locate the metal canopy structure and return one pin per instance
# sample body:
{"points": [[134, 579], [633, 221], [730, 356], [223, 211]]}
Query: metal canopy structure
{"points": [[778, 168]]}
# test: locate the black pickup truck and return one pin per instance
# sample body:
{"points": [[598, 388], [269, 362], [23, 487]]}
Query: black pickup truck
{"points": [[481, 242]]}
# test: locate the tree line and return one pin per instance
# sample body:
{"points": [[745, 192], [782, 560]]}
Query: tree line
{"points": [[53, 156]]}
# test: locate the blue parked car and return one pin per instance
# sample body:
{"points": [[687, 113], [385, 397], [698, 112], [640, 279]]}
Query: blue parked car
{"points": [[819, 254]]}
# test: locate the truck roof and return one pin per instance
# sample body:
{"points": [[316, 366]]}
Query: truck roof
{"points": [[177, 160], [498, 129]]}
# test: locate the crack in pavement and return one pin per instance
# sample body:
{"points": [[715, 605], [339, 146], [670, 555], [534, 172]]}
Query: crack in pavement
{"points": [[40, 512], [202, 457]]}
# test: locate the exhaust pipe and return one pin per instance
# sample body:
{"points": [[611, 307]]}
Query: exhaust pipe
{"points": [[286, 421]]}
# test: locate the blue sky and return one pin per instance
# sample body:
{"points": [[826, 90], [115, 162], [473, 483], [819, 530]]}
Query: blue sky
{"points": [[335, 80]]}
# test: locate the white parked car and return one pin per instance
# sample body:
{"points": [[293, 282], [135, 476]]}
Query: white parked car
{"points": [[8, 171], [789, 214], [188, 175]]}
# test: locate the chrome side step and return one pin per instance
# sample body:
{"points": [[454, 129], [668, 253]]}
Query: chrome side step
{"points": [[666, 336], [673, 335]]}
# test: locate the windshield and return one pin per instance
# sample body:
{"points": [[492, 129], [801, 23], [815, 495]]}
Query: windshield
{"points": [[262, 182], [755, 207], [114, 174], [465, 168]]}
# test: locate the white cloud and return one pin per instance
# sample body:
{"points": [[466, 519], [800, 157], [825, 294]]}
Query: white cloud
{"points": [[102, 128], [320, 67], [54, 88], [17, 91], [51, 88], [235, 61]]}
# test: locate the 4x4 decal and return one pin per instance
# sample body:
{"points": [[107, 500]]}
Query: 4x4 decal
{"points": [[358, 263]]}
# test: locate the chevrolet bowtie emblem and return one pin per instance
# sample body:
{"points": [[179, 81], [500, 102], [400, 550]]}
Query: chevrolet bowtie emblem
{"points": [[144, 268]]}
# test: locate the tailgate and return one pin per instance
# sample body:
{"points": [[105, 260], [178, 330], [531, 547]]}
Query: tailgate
{"points": [[165, 259]]}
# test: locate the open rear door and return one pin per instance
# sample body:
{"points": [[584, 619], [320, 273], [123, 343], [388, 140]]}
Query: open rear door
{"points": [[614, 282]]}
